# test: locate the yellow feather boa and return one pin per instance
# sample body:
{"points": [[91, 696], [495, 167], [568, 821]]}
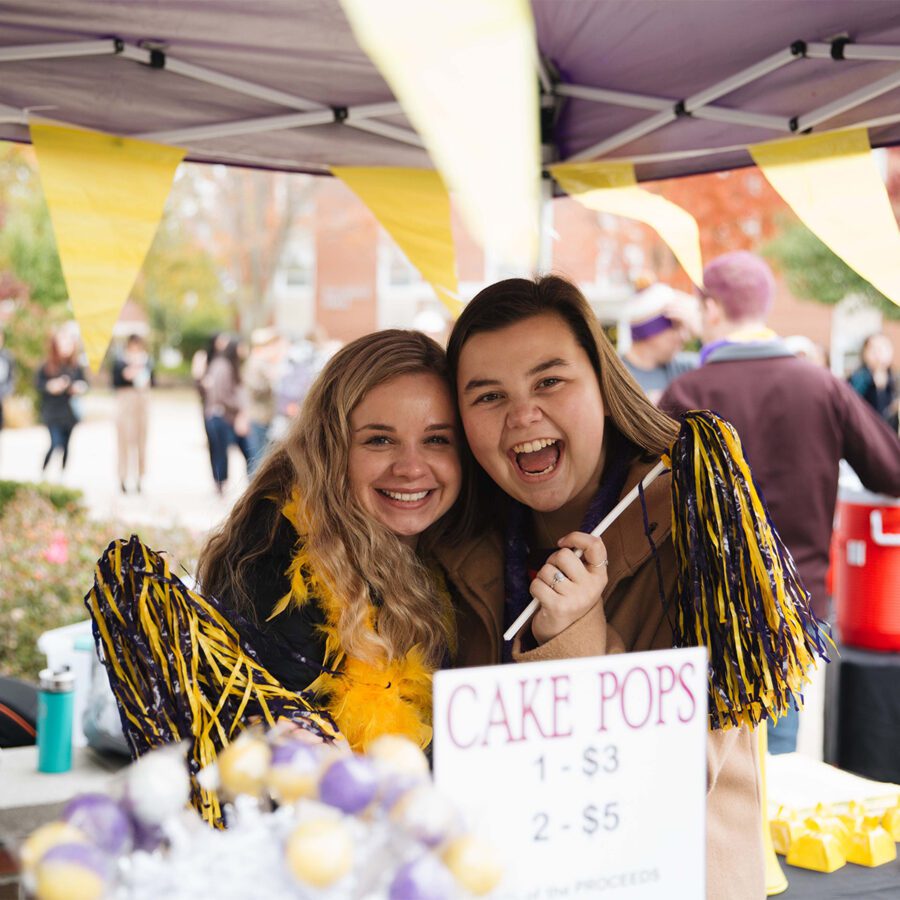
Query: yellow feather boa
{"points": [[366, 700]]}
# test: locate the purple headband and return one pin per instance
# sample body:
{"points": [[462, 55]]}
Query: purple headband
{"points": [[650, 327]]}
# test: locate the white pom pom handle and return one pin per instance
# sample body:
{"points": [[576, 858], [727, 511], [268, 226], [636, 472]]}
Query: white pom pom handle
{"points": [[614, 514]]}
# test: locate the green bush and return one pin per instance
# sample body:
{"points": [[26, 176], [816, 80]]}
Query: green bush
{"points": [[41, 590], [62, 498]]}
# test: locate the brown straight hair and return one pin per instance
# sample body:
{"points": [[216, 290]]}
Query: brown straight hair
{"points": [[515, 299]]}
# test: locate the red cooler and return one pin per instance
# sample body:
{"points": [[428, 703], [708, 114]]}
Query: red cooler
{"points": [[866, 567]]}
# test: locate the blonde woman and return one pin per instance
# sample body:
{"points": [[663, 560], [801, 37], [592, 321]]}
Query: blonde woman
{"points": [[328, 550]]}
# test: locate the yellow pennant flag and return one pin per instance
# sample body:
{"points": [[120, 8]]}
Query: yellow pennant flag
{"points": [[466, 75], [832, 183], [613, 188], [413, 206], [106, 196]]}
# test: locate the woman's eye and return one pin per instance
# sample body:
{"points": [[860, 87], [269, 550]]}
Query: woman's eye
{"points": [[549, 382], [438, 439], [487, 398], [377, 440]]}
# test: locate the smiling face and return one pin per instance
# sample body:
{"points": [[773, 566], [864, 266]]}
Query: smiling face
{"points": [[533, 412], [404, 466]]}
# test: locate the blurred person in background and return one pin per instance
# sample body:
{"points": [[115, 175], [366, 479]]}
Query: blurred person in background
{"points": [[875, 381], [60, 382], [806, 348], [303, 362], [224, 407], [662, 321], [132, 378], [7, 374], [796, 421], [261, 372]]}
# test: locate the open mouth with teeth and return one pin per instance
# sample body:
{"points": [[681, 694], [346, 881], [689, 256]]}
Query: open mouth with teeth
{"points": [[539, 457], [405, 497]]}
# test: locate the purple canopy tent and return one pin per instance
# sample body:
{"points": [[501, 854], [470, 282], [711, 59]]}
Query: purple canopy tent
{"points": [[675, 86]]}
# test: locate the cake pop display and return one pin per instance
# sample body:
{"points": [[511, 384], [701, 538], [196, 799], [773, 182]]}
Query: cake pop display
{"points": [[330, 836], [425, 814], [42, 840], [474, 864], [319, 852], [157, 787], [425, 878], [74, 871], [392, 754], [243, 765], [293, 771], [102, 820], [349, 783]]}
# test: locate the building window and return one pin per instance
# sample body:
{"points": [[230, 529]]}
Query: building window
{"points": [[300, 261], [400, 271]]}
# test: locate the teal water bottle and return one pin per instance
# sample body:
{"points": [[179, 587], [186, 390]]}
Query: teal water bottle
{"points": [[56, 704]]}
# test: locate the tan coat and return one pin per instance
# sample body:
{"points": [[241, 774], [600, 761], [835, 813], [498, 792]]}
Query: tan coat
{"points": [[630, 618]]}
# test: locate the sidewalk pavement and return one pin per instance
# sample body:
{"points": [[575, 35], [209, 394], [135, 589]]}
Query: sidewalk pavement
{"points": [[178, 488]]}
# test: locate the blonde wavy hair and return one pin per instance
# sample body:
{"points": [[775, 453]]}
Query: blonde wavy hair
{"points": [[357, 558]]}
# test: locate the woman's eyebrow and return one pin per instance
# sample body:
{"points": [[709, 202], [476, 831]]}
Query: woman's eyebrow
{"points": [[549, 364], [375, 426], [476, 383], [442, 426]]}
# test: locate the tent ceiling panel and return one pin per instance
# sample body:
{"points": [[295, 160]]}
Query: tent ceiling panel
{"points": [[300, 55]]}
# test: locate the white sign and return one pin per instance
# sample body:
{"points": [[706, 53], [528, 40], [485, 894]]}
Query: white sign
{"points": [[588, 775]]}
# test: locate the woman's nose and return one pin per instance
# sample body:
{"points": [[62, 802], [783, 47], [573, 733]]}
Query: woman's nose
{"points": [[522, 414], [409, 463]]}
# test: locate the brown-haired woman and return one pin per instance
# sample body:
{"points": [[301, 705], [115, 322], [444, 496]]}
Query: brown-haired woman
{"points": [[329, 548], [60, 381], [561, 431]]}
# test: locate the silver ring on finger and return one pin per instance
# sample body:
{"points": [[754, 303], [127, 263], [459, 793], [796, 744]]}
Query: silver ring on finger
{"points": [[599, 565], [557, 578]]}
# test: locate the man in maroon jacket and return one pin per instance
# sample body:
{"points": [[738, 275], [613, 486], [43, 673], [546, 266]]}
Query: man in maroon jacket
{"points": [[796, 422]]}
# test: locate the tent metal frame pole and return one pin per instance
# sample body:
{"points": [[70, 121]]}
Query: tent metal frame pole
{"points": [[546, 231], [643, 101], [744, 77], [700, 105], [742, 117], [12, 115], [543, 74], [617, 98], [695, 102], [309, 113], [849, 101], [872, 52], [218, 79], [384, 129], [323, 116], [664, 117], [243, 126], [62, 50], [849, 50]]}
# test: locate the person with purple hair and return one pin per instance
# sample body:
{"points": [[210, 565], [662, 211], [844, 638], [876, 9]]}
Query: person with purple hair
{"points": [[795, 419]]}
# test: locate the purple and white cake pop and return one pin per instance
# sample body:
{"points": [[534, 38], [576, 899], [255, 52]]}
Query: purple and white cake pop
{"points": [[293, 770], [425, 878], [426, 814], [349, 783], [102, 820], [73, 872]]}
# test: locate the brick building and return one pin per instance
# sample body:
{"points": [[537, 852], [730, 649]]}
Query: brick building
{"points": [[343, 276]]}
